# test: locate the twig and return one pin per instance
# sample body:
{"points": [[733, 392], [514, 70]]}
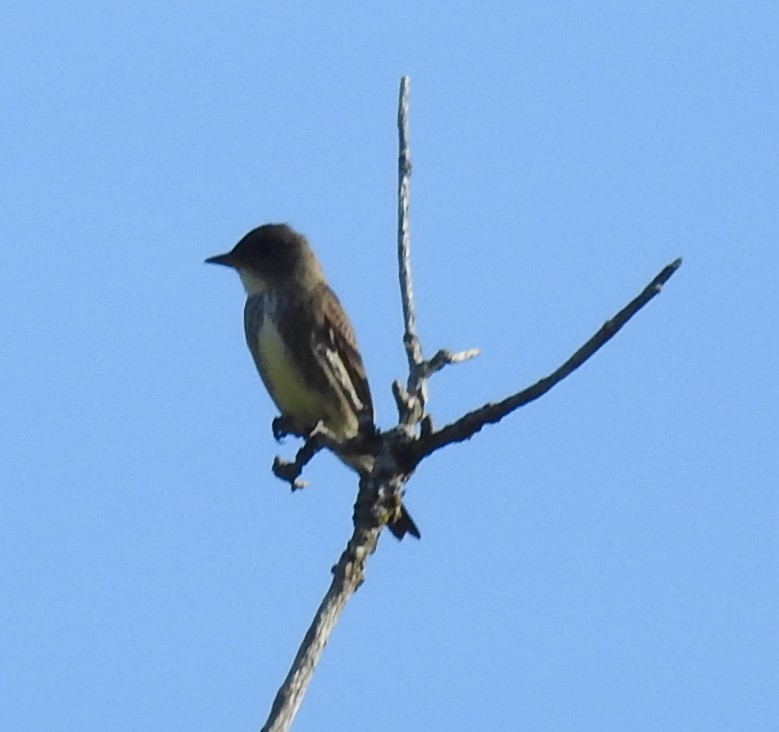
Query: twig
{"points": [[471, 423], [411, 401], [319, 438], [367, 442], [410, 338], [444, 358]]}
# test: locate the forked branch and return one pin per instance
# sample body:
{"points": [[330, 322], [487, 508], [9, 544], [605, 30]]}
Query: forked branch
{"points": [[399, 450]]}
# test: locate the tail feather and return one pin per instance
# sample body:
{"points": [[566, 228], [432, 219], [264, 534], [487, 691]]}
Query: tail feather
{"points": [[403, 524]]}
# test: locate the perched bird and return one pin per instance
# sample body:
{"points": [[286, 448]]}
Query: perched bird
{"points": [[302, 341]]}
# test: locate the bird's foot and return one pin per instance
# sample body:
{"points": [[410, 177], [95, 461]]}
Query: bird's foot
{"points": [[284, 426], [289, 472]]}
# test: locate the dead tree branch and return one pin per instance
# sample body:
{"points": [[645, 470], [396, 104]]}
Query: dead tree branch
{"points": [[468, 425], [411, 401], [399, 450], [348, 575]]}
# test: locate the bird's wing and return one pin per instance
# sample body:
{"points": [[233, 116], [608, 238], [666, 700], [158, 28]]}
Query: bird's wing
{"points": [[320, 329], [334, 341]]}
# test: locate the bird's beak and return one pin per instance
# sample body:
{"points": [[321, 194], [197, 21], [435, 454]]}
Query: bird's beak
{"points": [[226, 259]]}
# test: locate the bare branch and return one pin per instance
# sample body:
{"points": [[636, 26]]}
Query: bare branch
{"points": [[290, 471], [378, 501], [368, 442], [468, 425], [411, 401], [402, 400], [399, 450], [348, 575], [410, 338], [444, 358]]}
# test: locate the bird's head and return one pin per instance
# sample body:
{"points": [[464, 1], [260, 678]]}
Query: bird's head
{"points": [[269, 256]]}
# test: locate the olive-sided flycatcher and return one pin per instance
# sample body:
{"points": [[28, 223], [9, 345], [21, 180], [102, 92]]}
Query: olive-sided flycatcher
{"points": [[302, 341]]}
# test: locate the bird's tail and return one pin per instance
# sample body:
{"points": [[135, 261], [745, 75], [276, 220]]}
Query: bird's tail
{"points": [[403, 524]]}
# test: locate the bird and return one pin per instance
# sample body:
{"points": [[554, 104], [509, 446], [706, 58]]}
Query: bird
{"points": [[303, 343]]}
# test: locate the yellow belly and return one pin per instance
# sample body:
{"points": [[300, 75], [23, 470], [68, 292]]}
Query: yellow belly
{"points": [[296, 399], [284, 381]]}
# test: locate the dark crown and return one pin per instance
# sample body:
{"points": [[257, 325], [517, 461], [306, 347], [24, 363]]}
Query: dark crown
{"points": [[272, 249]]}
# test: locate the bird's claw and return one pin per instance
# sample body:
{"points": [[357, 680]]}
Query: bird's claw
{"points": [[289, 472], [281, 428]]}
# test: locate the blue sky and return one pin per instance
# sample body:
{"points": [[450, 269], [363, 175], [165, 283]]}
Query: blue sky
{"points": [[606, 558]]}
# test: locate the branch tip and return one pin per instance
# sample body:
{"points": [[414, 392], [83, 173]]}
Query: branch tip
{"points": [[468, 425]]}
